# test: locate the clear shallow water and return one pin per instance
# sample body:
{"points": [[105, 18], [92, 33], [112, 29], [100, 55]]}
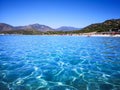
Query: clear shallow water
{"points": [[59, 63]]}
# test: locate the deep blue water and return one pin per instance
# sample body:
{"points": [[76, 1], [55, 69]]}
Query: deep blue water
{"points": [[59, 63]]}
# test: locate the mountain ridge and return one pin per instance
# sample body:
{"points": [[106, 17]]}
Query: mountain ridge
{"points": [[106, 26], [38, 27], [6, 27], [103, 26]]}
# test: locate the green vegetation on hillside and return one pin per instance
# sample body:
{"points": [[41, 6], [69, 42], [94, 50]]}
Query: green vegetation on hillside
{"points": [[25, 32], [103, 27]]}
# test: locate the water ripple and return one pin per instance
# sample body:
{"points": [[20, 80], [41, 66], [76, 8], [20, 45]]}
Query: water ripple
{"points": [[59, 63]]}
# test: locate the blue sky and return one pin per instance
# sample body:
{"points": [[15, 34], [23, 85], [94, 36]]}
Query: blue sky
{"points": [[56, 13]]}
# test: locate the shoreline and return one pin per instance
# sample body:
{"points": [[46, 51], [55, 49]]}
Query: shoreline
{"points": [[99, 35], [84, 35]]}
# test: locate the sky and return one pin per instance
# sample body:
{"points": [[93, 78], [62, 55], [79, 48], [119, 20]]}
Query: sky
{"points": [[56, 13]]}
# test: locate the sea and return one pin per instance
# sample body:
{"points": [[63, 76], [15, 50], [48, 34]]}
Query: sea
{"points": [[43, 62]]}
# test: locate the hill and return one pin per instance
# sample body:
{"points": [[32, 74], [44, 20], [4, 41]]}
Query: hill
{"points": [[37, 27], [6, 27], [103, 27]]}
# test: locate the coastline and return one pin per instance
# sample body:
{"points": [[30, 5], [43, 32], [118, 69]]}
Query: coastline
{"points": [[84, 35], [99, 35]]}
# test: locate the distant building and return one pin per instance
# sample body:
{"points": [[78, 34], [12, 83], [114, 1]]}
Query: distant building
{"points": [[112, 31]]}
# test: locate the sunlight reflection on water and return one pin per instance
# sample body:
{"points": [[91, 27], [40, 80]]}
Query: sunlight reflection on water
{"points": [[59, 63]]}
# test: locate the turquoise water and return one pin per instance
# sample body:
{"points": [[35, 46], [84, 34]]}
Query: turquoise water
{"points": [[59, 63]]}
